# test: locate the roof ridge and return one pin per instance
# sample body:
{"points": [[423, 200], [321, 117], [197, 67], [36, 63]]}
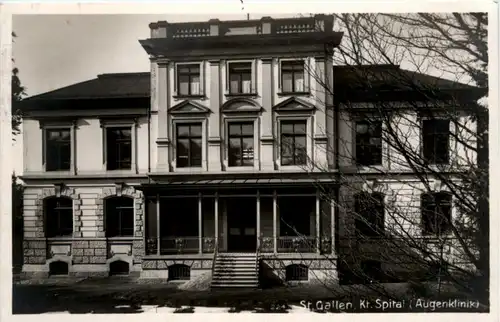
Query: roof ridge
{"points": [[107, 75]]}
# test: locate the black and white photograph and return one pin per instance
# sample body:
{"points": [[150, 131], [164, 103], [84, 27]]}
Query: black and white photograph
{"points": [[251, 161]]}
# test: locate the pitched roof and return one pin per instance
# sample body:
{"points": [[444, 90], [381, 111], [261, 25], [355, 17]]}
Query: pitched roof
{"points": [[122, 85], [386, 78], [390, 82]]}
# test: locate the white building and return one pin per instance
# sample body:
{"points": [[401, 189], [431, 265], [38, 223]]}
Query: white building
{"points": [[232, 144]]}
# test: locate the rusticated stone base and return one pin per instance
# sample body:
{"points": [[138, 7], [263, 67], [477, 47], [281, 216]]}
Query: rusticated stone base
{"points": [[138, 251], [35, 251], [89, 274], [159, 264], [89, 251], [34, 275]]}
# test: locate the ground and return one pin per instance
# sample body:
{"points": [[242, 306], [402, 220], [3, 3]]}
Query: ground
{"points": [[118, 295]]}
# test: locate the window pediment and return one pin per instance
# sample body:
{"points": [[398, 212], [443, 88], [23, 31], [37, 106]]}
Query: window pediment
{"points": [[294, 104], [189, 107], [240, 105]]}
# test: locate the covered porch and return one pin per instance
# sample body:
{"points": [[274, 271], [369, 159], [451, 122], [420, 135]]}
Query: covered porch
{"points": [[265, 216]]}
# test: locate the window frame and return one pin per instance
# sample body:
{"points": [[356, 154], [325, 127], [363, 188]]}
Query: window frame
{"points": [[106, 216], [253, 77], [242, 119], [355, 142], [306, 90], [378, 222], [59, 126], [46, 215], [449, 203], [173, 134], [307, 140], [109, 124], [176, 82], [190, 137], [437, 118]]}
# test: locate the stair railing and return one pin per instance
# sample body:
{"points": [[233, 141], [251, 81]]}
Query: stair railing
{"points": [[216, 250]]}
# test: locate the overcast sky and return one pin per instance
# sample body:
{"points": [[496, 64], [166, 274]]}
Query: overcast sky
{"points": [[52, 51]]}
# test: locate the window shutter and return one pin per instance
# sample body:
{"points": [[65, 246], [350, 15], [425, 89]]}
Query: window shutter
{"points": [[279, 74], [307, 73], [254, 76], [202, 78], [227, 76], [174, 66]]}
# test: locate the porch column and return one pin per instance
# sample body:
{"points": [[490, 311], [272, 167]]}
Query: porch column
{"points": [[200, 224], [332, 225], [258, 219], [216, 217], [275, 236], [158, 244], [318, 218]]}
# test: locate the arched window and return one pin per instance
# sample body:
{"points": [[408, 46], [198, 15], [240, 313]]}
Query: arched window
{"points": [[369, 214], [179, 272], [296, 272], [436, 213], [58, 214], [119, 212]]}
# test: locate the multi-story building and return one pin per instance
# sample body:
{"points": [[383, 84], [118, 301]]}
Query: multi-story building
{"points": [[228, 146]]}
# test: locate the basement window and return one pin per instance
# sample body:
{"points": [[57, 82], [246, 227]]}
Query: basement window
{"points": [[179, 272], [297, 272]]}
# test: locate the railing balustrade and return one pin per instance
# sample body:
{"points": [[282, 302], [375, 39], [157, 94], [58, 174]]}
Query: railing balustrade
{"points": [[190, 31], [179, 245], [296, 244]]}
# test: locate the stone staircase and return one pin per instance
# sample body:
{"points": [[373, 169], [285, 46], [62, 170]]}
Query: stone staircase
{"points": [[235, 270]]}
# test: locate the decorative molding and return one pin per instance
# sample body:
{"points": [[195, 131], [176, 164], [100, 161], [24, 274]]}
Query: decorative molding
{"points": [[241, 105], [163, 141], [293, 104], [214, 140], [189, 107], [373, 186]]}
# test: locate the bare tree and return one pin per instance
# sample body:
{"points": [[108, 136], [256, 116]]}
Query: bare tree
{"points": [[419, 209]]}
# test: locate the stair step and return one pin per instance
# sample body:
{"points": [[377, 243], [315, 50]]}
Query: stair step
{"points": [[239, 282], [235, 270], [236, 267], [248, 277], [236, 273]]}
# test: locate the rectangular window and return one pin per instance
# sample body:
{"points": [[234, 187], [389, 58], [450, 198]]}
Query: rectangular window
{"points": [[119, 217], [292, 76], [58, 217], [189, 145], [436, 213], [119, 148], [369, 143], [436, 140], [188, 80], [293, 142], [241, 147], [369, 214], [58, 149], [240, 78]]}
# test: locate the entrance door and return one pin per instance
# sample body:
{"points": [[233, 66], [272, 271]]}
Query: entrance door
{"points": [[241, 224]]}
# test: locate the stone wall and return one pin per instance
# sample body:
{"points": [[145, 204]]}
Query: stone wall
{"points": [[87, 252]]}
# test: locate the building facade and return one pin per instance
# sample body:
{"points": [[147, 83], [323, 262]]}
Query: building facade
{"points": [[230, 145]]}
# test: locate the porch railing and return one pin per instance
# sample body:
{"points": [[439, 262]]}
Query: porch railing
{"points": [[296, 244], [181, 245]]}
